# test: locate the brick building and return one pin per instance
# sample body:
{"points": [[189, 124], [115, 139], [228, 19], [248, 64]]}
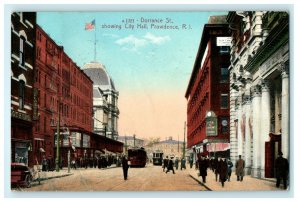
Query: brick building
{"points": [[60, 87], [207, 93], [22, 70]]}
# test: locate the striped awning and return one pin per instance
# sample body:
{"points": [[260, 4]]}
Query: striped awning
{"points": [[214, 147]]}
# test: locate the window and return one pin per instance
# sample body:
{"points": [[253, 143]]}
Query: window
{"points": [[224, 125], [224, 73], [224, 49], [22, 55], [224, 101], [86, 141], [21, 94]]}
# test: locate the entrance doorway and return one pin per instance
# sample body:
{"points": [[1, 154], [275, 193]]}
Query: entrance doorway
{"points": [[271, 150]]}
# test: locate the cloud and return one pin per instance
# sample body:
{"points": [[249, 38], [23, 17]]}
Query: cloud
{"points": [[156, 39], [133, 43]]}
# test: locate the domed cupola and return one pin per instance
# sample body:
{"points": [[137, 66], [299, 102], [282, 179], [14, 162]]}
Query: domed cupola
{"points": [[97, 72]]}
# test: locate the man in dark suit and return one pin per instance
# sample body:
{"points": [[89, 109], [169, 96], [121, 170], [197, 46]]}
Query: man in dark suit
{"points": [[165, 163], [282, 170], [125, 167], [170, 165]]}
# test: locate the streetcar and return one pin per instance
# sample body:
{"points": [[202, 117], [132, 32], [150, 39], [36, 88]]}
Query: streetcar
{"points": [[157, 157], [137, 157]]}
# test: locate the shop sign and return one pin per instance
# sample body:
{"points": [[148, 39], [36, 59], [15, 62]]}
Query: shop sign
{"points": [[20, 115], [224, 41], [211, 124]]}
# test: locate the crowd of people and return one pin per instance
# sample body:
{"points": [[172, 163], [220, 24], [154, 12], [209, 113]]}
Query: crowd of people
{"points": [[48, 164], [222, 168]]}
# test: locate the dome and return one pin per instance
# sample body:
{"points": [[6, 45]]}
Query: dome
{"points": [[98, 74]]}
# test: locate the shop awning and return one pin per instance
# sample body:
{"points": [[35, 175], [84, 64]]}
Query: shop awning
{"points": [[215, 147]]}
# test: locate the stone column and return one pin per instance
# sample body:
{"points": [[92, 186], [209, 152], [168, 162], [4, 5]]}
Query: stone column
{"points": [[233, 117], [285, 110], [239, 124], [265, 121], [256, 107], [247, 108]]}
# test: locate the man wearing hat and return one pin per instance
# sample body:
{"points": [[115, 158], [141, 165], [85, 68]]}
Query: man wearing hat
{"points": [[240, 166], [282, 170]]}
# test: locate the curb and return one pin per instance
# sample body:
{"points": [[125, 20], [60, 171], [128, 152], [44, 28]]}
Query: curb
{"points": [[200, 183], [48, 178]]}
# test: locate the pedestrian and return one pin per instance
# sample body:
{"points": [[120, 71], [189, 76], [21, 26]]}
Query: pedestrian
{"points": [[182, 163], [217, 167], [203, 165], [191, 162], [281, 170], [73, 164], [240, 168], [212, 164], [125, 167], [170, 166], [176, 163], [230, 165], [44, 164], [165, 163], [223, 171]]}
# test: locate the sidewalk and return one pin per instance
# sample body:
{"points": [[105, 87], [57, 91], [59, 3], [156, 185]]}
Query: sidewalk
{"points": [[62, 173], [248, 184]]}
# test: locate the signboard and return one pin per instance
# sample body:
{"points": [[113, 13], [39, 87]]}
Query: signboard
{"points": [[224, 41], [211, 124]]}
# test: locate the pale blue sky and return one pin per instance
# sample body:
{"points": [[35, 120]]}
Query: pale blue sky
{"points": [[146, 64]]}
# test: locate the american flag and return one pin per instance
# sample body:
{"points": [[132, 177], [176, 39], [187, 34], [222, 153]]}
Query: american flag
{"points": [[90, 25]]}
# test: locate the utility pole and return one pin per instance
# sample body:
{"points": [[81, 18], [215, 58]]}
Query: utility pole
{"points": [[178, 144], [133, 140], [125, 144], [184, 140], [57, 140]]}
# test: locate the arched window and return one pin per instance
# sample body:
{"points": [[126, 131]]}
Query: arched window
{"points": [[21, 94], [22, 52]]}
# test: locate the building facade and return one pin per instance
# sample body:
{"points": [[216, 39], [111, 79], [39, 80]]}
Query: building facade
{"points": [[22, 70], [169, 147], [259, 89], [207, 93], [63, 99], [105, 101], [131, 141]]}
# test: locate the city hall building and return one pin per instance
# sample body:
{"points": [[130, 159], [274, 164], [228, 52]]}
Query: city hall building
{"points": [[259, 89], [105, 101]]}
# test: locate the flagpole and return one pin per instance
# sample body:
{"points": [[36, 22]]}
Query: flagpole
{"points": [[95, 52]]}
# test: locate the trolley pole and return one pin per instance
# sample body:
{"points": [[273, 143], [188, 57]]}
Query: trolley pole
{"points": [[134, 140], [184, 140], [57, 140]]}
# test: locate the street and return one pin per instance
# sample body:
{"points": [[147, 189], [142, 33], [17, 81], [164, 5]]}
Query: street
{"points": [[150, 178]]}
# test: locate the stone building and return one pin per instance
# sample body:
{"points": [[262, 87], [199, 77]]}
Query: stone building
{"points": [[207, 93], [131, 141], [22, 70], [259, 89], [169, 147], [105, 100]]}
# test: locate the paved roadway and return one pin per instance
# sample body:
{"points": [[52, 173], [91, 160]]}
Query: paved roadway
{"points": [[150, 178]]}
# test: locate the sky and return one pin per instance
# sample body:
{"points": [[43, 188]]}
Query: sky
{"points": [[150, 67]]}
